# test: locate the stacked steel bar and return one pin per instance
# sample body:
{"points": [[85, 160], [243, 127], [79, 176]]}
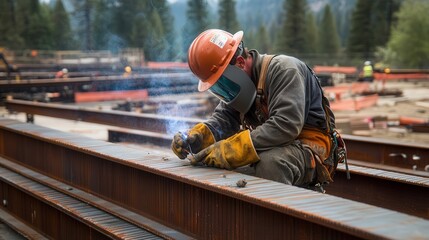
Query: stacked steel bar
{"points": [[199, 201], [372, 150], [57, 215]]}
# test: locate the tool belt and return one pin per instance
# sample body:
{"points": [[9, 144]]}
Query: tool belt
{"points": [[320, 145], [326, 148]]}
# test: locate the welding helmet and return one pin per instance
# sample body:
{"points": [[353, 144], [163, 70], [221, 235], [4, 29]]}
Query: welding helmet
{"points": [[211, 57]]}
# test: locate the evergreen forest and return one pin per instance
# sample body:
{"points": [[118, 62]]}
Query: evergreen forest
{"points": [[389, 32]]}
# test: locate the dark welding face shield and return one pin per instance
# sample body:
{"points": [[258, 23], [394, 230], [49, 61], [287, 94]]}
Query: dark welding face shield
{"points": [[235, 88]]}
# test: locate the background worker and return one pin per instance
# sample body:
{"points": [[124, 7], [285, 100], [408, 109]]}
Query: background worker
{"points": [[127, 71], [281, 128], [367, 72], [63, 73]]}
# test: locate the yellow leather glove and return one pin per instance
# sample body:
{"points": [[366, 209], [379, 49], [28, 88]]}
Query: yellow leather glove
{"points": [[198, 137], [230, 153]]}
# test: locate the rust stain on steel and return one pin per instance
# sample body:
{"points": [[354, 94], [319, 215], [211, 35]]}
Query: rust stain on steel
{"points": [[19, 226], [393, 176], [140, 121], [93, 217], [387, 152], [396, 191], [359, 148]]}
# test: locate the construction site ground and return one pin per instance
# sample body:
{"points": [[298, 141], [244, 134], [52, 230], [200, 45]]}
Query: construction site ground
{"points": [[413, 103]]}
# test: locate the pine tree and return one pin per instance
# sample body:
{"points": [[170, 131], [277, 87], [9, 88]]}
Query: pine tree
{"points": [[102, 25], [38, 31], [9, 36], [383, 18], [409, 40], [84, 13], [312, 35], [361, 39], [263, 44], [62, 33], [197, 22], [329, 41], [125, 14], [169, 48], [27, 11], [249, 40], [139, 32], [292, 35], [152, 30], [155, 41], [227, 16]]}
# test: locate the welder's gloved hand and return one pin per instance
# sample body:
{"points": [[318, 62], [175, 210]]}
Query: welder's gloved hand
{"points": [[233, 152], [199, 137]]}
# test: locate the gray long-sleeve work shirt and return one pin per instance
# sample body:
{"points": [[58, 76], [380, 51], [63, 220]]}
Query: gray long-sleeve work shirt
{"points": [[294, 100]]}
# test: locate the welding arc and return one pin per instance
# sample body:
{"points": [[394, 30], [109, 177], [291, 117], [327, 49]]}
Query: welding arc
{"points": [[189, 149]]}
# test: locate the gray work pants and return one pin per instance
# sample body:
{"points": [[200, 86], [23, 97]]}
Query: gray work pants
{"points": [[287, 164]]}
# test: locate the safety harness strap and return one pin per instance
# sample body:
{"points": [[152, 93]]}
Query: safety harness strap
{"points": [[261, 99]]}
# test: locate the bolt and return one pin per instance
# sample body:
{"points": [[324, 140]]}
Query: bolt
{"points": [[4, 202], [241, 183]]}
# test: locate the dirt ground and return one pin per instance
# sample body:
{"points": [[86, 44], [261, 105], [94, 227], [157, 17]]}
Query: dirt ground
{"points": [[413, 103]]}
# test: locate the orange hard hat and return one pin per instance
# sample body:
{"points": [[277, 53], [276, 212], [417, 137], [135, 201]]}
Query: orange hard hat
{"points": [[210, 54]]}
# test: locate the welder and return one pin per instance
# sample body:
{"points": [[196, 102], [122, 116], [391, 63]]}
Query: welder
{"points": [[272, 114]]}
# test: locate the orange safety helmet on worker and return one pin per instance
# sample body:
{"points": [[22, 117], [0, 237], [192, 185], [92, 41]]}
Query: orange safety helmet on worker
{"points": [[209, 58]]}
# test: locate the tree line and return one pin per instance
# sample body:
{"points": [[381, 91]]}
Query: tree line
{"points": [[390, 31]]}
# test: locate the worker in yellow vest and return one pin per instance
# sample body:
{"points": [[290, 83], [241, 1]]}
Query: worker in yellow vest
{"points": [[368, 72]]}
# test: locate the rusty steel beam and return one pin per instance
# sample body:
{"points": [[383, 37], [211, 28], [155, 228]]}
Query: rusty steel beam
{"points": [[57, 215], [392, 197], [138, 136], [199, 201], [401, 76], [158, 79], [396, 191], [389, 168], [94, 201], [140, 121], [391, 155], [19, 226], [388, 152], [164, 140]]}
